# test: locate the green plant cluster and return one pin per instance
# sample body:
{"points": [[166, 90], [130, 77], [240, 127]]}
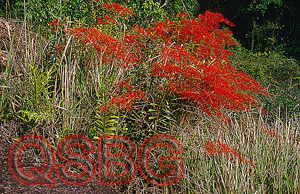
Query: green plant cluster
{"points": [[279, 74]]}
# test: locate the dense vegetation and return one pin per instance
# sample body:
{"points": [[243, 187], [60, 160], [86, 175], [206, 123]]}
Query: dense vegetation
{"points": [[226, 85], [265, 29]]}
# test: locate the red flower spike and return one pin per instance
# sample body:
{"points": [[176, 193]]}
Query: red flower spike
{"points": [[101, 21], [119, 9], [271, 133], [111, 49], [126, 100], [53, 25], [221, 148]]}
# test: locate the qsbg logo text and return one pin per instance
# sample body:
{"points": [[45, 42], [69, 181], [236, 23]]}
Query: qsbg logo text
{"points": [[108, 159]]}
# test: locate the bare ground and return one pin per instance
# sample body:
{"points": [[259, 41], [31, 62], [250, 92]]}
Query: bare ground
{"points": [[8, 184]]}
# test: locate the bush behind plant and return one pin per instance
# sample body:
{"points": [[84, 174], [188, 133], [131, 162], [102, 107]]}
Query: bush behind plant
{"points": [[279, 74]]}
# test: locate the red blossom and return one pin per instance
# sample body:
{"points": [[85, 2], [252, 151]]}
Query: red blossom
{"points": [[180, 15], [222, 148], [271, 133], [101, 21], [53, 25], [111, 50], [59, 48], [125, 100], [119, 9]]}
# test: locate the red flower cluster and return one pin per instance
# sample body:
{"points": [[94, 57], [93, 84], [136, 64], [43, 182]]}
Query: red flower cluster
{"points": [[59, 49], [119, 9], [106, 20], [101, 21], [111, 51], [193, 56], [222, 148], [53, 25], [181, 15], [126, 99]]}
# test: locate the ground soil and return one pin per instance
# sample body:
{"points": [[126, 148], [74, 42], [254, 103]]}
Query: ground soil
{"points": [[8, 184]]}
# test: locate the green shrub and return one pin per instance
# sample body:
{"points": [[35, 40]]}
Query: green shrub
{"points": [[279, 74]]}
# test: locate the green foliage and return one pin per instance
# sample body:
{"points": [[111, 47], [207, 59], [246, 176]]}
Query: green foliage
{"points": [[147, 11], [2, 5], [152, 119], [37, 98], [187, 6], [262, 5], [41, 12], [152, 9], [104, 125], [279, 74], [5, 94], [11, 9]]}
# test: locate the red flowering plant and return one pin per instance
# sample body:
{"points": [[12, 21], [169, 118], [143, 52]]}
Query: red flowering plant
{"points": [[185, 58], [58, 28], [191, 55]]}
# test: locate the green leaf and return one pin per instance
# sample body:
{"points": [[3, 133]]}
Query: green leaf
{"points": [[167, 111], [111, 128], [166, 116], [109, 133]]}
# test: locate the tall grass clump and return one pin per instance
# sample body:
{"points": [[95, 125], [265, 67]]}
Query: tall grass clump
{"points": [[246, 156]]}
